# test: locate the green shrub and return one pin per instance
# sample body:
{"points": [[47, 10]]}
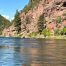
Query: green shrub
{"points": [[58, 31], [20, 35], [46, 32], [58, 20], [33, 34], [64, 30]]}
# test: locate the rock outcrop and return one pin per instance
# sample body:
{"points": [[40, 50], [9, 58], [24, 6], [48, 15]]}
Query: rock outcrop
{"points": [[9, 32], [54, 12], [51, 10]]}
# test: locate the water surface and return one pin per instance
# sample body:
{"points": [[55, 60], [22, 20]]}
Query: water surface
{"points": [[32, 52]]}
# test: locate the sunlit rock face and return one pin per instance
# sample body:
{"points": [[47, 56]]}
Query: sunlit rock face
{"points": [[51, 10]]}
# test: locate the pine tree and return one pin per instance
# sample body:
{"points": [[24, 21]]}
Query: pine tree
{"points": [[41, 22], [17, 23]]}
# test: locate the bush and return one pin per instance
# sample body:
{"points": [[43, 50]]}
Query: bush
{"points": [[58, 32], [46, 32], [20, 35], [64, 30], [58, 20], [33, 34]]}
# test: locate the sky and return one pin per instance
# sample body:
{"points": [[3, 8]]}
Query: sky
{"points": [[9, 7]]}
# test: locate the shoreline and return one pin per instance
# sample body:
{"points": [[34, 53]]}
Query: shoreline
{"points": [[38, 37]]}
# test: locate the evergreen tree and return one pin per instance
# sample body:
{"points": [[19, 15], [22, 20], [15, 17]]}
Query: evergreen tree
{"points": [[17, 23], [30, 5], [41, 22]]}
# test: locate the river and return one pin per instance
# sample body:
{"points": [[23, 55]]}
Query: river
{"points": [[32, 52]]}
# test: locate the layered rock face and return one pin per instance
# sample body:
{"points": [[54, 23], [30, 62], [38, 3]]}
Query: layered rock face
{"points": [[51, 9]]}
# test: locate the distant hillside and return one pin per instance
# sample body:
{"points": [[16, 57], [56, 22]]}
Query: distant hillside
{"points": [[4, 23]]}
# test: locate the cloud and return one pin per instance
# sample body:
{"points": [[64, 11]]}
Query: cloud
{"points": [[12, 18], [6, 16]]}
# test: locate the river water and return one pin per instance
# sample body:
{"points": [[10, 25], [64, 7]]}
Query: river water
{"points": [[32, 52]]}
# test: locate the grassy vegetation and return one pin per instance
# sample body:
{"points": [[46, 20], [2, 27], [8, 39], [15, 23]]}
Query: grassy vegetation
{"points": [[46, 32], [33, 34], [57, 32]]}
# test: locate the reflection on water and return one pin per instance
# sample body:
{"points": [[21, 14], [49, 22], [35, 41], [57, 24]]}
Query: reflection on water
{"points": [[32, 52]]}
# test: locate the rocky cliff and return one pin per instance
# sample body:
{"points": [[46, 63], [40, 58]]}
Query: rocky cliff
{"points": [[54, 12], [38, 15]]}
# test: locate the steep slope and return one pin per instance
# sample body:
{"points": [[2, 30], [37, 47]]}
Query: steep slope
{"points": [[53, 11], [30, 18], [4, 23], [43, 17]]}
